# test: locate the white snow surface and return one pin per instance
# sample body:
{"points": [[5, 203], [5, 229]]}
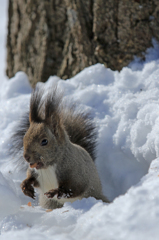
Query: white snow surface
{"points": [[125, 108]]}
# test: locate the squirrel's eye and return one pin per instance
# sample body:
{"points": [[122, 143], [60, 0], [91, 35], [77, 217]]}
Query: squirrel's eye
{"points": [[44, 142]]}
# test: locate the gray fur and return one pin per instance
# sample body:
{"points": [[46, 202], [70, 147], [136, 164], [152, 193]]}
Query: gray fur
{"points": [[64, 170], [78, 125]]}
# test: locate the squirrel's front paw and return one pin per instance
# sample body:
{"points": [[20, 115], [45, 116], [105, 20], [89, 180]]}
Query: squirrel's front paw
{"points": [[60, 192], [27, 188]]}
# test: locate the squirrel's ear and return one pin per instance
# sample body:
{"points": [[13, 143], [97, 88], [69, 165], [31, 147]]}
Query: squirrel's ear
{"points": [[57, 127], [53, 116], [35, 106]]}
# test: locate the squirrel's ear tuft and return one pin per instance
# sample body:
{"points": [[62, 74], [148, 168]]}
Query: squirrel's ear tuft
{"points": [[36, 106], [53, 116]]}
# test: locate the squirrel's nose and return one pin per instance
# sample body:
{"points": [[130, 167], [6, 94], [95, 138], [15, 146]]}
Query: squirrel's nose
{"points": [[27, 157]]}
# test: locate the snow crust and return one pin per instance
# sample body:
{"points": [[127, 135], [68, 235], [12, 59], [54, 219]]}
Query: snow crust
{"points": [[125, 108]]}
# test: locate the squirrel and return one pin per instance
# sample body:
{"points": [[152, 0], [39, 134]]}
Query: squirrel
{"points": [[58, 142]]}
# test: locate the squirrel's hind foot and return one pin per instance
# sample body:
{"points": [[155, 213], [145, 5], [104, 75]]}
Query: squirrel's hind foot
{"points": [[60, 192]]}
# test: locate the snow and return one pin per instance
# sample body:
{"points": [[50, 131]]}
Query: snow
{"points": [[125, 108], [127, 118]]}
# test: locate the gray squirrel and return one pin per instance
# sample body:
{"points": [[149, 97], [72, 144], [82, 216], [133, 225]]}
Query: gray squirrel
{"points": [[58, 142]]}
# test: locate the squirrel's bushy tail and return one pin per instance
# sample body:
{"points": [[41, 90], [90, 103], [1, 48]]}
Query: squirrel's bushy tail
{"points": [[81, 129], [77, 123]]}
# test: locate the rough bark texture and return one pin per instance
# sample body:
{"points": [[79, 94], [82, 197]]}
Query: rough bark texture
{"points": [[61, 37]]}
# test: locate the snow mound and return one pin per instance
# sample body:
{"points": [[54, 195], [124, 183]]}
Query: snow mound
{"points": [[125, 108], [9, 203]]}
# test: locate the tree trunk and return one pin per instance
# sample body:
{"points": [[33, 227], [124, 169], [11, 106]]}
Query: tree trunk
{"points": [[62, 37]]}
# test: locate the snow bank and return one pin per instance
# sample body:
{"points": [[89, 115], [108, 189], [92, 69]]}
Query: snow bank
{"points": [[7, 193], [125, 108]]}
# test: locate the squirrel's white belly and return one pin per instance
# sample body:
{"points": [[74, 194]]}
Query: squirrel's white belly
{"points": [[47, 179]]}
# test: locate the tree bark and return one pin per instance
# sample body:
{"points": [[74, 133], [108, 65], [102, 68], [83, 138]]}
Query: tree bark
{"points": [[62, 37]]}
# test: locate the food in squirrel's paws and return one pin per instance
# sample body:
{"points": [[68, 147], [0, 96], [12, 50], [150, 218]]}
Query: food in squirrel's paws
{"points": [[33, 165]]}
